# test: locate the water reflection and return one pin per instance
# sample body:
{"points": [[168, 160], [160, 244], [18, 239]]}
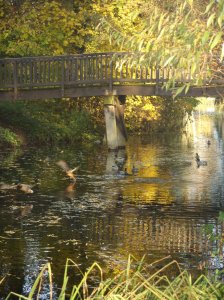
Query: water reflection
{"points": [[158, 210]]}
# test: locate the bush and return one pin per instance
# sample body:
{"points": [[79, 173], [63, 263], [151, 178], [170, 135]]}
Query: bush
{"points": [[48, 122], [9, 138]]}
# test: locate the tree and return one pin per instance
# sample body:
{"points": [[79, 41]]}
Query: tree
{"points": [[182, 34], [40, 28]]}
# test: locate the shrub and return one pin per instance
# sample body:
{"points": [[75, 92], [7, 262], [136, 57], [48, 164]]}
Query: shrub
{"points": [[9, 138]]}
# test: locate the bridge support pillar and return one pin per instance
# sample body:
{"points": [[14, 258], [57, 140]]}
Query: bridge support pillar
{"points": [[115, 126], [121, 128]]}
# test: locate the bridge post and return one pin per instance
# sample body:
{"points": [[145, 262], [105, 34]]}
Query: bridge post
{"points": [[110, 120], [115, 127], [121, 128], [15, 83]]}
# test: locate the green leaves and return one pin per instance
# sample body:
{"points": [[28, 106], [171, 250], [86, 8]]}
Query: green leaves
{"points": [[222, 53], [184, 34], [179, 91], [217, 38]]}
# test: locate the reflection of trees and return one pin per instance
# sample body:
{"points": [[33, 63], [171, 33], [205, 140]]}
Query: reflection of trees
{"points": [[219, 121], [8, 158]]}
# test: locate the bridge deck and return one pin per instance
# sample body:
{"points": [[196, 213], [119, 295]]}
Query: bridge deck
{"points": [[89, 75]]}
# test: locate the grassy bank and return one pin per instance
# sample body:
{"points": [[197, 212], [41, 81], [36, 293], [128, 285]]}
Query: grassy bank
{"points": [[161, 280], [46, 122]]}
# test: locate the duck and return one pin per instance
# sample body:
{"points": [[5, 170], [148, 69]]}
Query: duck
{"points": [[6, 186], [134, 170], [69, 172], [124, 173], [199, 161], [115, 168], [119, 160], [25, 188]]}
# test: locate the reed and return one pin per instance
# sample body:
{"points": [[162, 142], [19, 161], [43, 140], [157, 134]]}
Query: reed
{"points": [[136, 282]]}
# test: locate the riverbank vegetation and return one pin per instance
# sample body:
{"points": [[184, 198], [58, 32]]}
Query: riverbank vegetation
{"points": [[69, 121], [161, 280], [160, 30], [49, 122]]}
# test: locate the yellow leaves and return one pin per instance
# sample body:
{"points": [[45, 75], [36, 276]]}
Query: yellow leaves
{"points": [[210, 20], [168, 61], [179, 91], [148, 106], [65, 43], [44, 29], [140, 45], [193, 67], [205, 37], [161, 21], [161, 34], [209, 6], [221, 19], [190, 2], [222, 53], [216, 39]]}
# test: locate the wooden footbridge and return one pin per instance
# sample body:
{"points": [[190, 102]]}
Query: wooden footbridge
{"points": [[98, 74]]}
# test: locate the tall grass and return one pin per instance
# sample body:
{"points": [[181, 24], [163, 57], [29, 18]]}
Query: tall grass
{"points": [[136, 282]]}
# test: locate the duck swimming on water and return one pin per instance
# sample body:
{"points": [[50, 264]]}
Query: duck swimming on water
{"points": [[134, 170], [124, 173], [199, 161], [24, 188]]}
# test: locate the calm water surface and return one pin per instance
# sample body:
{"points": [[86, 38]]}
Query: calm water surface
{"points": [[160, 210]]}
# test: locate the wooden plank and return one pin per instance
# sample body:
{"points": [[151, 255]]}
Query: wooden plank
{"points": [[44, 71], [146, 90], [101, 67], [81, 70], [76, 76], [15, 80], [106, 69], [62, 78]]}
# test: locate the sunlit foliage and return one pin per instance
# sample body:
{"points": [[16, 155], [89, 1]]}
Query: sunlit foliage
{"points": [[184, 34], [153, 114], [41, 28], [52, 122]]}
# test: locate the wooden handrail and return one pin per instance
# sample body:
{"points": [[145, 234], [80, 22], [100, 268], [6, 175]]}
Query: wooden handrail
{"points": [[82, 70]]}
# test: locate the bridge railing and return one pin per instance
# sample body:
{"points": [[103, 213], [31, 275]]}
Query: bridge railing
{"points": [[54, 71], [83, 69]]}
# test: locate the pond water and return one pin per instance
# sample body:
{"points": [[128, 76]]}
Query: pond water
{"points": [[160, 210]]}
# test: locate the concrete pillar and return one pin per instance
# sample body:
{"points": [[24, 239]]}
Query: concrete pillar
{"points": [[115, 126], [110, 120], [121, 129]]}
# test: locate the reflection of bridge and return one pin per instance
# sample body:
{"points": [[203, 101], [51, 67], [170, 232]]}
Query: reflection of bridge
{"points": [[98, 74], [136, 233]]}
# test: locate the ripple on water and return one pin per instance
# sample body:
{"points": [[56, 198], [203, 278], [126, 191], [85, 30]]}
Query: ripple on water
{"points": [[161, 210]]}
